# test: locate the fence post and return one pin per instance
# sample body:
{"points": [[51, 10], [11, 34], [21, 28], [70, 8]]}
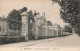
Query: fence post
{"points": [[36, 27], [46, 29], [52, 31], [25, 25]]}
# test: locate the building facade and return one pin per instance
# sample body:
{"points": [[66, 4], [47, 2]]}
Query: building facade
{"points": [[34, 27], [3, 26]]}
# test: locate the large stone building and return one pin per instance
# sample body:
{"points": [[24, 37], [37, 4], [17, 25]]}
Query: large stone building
{"points": [[33, 27]]}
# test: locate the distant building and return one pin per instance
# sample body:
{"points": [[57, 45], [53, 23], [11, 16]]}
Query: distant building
{"points": [[58, 29]]}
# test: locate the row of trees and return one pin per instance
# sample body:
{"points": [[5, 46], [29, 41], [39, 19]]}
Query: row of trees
{"points": [[67, 28], [70, 13]]}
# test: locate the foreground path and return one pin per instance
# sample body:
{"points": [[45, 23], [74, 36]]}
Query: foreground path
{"points": [[72, 42]]}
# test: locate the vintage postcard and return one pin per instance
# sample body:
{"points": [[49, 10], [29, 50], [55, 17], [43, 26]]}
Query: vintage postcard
{"points": [[39, 25]]}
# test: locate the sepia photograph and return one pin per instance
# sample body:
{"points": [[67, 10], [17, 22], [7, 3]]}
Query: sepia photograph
{"points": [[39, 25]]}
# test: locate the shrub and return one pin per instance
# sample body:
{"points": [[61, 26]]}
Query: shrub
{"points": [[11, 39]]}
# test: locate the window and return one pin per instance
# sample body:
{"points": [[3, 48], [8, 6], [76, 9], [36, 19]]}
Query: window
{"points": [[3, 30]]}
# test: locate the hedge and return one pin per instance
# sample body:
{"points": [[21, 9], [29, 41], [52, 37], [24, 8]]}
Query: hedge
{"points": [[11, 39]]}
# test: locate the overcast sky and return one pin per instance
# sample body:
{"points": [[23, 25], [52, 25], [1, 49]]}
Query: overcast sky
{"points": [[51, 11]]}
